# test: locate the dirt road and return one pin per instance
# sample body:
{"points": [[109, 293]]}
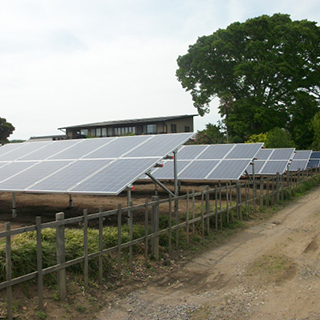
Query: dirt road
{"points": [[268, 271]]}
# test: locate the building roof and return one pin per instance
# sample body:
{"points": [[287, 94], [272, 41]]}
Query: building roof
{"points": [[129, 121]]}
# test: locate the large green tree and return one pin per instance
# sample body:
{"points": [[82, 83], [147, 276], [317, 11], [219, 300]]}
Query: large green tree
{"points": [[6, 128], [260, 70]]}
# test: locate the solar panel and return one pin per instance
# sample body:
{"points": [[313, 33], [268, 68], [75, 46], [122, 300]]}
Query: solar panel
{"points": [[300, 160], [69, 176], [23, 150], [165, 173], [313, 163], [115, 177], [302, 155], [31, 175], [315, 155], [191, 152], [229, 170], [99, 166], [282, 154], [215, 151], [244, 151], [264, 154], [258, 164], [297, 165], [198, 170], [204, 161], [274, 166]]}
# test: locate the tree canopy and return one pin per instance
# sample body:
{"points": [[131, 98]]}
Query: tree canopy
{"points": [[265, 72], [6, 128]]}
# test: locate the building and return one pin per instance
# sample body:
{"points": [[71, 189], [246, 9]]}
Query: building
{"points": [[48, 138], [157, 125]]}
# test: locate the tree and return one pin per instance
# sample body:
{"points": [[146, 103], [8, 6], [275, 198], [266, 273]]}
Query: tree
{"points": [[315, 125], [6, 128], [279, 138], [263, 66], [210, 135]]}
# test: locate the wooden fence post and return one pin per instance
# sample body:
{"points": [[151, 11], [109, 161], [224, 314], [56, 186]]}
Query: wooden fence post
{"points": [[100, 246], [85, 250], [146, 224], [119, 240], [261, 191], [207, 209], [277, 187], [155, 226], [170, 224], [39, 263], [61, 257], [202, 213], [8, 272], [216, 205], [130, 224], [238, 191], [187, 218]]}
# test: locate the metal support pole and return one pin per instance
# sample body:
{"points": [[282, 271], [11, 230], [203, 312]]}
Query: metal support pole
{"points": [[159, 183], [175, 173], [14, 207], [70, 201]]}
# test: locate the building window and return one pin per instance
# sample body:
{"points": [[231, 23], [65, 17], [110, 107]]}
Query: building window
{"points": [[98, 132], [110, 133], [150, 128], [186, 129], [93, 132], [173, 128], [84, 132], [104, 132]]}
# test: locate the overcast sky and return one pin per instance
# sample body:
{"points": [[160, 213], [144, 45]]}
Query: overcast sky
{"points": [[70, 62]]}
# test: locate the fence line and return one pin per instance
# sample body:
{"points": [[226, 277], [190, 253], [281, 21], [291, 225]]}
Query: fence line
{"points": [[211, 216]]}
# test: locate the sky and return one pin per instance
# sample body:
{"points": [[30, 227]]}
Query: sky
{"points": [[70, 62]]}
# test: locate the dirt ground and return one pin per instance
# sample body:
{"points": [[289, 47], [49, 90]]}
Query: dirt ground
{"points": [[269, 270]]}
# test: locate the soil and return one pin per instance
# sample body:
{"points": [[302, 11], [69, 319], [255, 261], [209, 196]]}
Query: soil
{"points": [[268, 270]]}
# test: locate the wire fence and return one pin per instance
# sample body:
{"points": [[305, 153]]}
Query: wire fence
{"points": [[194, 212]]}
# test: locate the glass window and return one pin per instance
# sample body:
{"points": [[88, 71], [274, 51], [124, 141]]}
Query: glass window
{"points": [[84, 132], [104, 132], [186, 129], [110, 133], [151, 128], [115, 131], [93, 132], [173, 128], [98, 132]]}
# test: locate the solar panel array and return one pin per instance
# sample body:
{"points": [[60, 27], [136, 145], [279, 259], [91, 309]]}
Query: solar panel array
{"points": [[271, 161], [300, 160], [314, 161], [209, 162], [88, 166]]}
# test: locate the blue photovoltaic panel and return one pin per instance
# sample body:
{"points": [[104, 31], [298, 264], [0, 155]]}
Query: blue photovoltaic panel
{"points": [[258, 164], [274, 167], [313, 163], [69, 176], [25, 149], [264, 154], [63, 166], [229, 170], [198, 170], [297, 165], [315, 155], [49, 150], [9, 147], [160, 145], [115, 177], [34, 173], [81, 148], [166, 172], [244, 151], [13, 168], [302, 155], [117, 147], [282, 154], [216, 151], [191, 152]]}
